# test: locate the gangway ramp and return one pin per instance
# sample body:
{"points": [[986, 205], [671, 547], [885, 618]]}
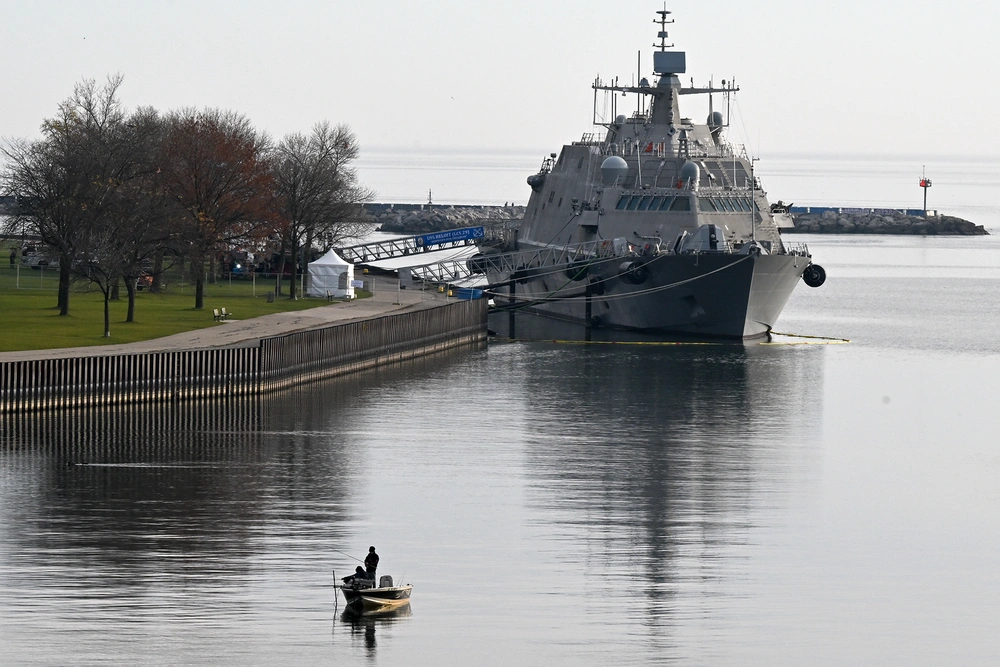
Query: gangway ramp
{"points": [[376, 251], [498, 268]]}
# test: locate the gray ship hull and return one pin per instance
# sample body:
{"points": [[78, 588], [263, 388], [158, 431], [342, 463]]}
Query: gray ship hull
{"points": [[704, 296]]}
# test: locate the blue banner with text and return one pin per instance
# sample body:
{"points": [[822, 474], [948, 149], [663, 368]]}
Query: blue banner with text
{"points": [[451, 236]]}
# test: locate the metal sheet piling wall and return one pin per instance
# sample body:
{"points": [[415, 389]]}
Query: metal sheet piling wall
{"points": [[279, 362], [44, 384], [321, 353]]}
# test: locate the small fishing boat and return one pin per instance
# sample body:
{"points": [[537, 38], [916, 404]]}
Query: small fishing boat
{"points": [[363, 595]]}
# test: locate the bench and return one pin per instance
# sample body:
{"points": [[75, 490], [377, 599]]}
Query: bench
{"points": [[220, 315]]}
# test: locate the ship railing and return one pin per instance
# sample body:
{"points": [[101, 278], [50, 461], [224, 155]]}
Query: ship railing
{"points": [[796, 249]]}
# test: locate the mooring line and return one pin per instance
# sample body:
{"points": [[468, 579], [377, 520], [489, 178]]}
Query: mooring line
{"points": [[825, 338]]}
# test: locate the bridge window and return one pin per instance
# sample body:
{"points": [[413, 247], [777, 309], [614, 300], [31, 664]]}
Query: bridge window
{"points": [[622, 202], [633, 203], [667, 201], [727, 204], [706, 204], [655, 204], [681, 204], [643, 204]]}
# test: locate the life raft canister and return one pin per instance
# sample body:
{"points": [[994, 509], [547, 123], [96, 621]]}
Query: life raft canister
{"points": [[814, 275]]}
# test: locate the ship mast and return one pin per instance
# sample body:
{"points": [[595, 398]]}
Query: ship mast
{"points": [[662, 35]]}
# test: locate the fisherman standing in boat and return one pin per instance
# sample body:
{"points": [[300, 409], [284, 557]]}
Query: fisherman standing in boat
{"points": [[371, 562]]}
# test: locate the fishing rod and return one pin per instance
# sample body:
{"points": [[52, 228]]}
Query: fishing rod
{"points": [[349, 556]]}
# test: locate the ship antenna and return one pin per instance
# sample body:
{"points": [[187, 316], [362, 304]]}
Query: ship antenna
{"points": [[753, 201], [664, 22]]}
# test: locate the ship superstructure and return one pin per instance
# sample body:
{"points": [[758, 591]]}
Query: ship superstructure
{"points": [[660, 223]]}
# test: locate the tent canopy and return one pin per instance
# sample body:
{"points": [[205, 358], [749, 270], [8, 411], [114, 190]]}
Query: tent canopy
{"points": [[330, 276]]}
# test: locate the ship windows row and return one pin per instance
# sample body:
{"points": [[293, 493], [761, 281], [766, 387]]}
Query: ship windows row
{"points": [[683, 203]]}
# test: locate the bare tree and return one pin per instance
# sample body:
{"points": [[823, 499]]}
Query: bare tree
{"points": [[318, 192], [65, 182], [214, 165]]}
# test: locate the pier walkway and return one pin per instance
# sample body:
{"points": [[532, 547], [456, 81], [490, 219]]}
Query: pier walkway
{"points": [[386, 300]]}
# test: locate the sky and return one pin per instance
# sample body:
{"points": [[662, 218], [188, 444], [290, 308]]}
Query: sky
{"points": [[852, 77]]}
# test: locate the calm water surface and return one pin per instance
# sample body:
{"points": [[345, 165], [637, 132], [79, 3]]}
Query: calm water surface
{"points": [[551, 504]]}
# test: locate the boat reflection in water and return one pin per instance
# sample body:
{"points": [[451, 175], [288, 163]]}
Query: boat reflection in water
{"points": [[651, 464], [362, 625]]}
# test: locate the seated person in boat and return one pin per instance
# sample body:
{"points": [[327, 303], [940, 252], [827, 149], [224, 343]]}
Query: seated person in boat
{"points": [[359, 573]]}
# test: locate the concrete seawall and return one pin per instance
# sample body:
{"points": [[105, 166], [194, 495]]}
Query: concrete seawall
{"points": [[249, 358]]}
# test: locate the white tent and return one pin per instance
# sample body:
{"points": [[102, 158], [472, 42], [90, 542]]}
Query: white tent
{"points": [[330, 276]]}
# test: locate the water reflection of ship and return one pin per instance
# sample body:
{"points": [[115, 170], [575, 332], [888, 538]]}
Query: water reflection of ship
{"points": [[653, 459], [363, 625]]}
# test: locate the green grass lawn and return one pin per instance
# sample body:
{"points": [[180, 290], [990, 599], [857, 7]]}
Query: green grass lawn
{"points": [[29, 319]]}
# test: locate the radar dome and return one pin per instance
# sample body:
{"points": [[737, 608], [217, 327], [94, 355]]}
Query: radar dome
{"points": [[612, 169], [690, 174], [620, 120]]}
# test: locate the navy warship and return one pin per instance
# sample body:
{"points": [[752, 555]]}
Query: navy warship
{"points": [[655, 224]]}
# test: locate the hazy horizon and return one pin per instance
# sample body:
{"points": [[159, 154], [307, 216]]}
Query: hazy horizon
{"points": [[850, 79]]}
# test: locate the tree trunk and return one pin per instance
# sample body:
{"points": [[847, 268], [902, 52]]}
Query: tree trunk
{"points": [[281, 272], [64, 282], [130, 288], [114, 291], [107, 314], [157, 273], [199, 293], [306, 252], [197, 273], [293, 283]]}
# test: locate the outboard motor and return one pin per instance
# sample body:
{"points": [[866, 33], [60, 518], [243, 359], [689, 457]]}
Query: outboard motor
{"points": [[814, 275]]}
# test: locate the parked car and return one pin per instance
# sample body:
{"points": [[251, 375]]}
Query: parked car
{"points": [[35, 256]]}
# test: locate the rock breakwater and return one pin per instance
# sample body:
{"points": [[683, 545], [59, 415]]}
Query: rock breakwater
{"points": [[424, 218], [882, 222]]}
